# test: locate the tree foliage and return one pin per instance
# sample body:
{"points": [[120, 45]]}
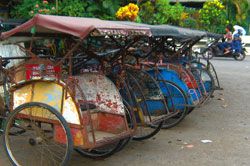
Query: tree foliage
{"points": [[238, 11], [161, 12], [104, 9], [213, 16]]}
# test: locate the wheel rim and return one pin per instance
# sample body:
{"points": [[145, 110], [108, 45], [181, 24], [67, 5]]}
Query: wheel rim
{"points": [[240, 56], [38, 140], [208, 54], [139, 104], [177, 102], [205, 80]]}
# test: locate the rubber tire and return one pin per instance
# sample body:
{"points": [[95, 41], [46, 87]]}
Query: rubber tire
{"points": [[205, 67], [184, 112], [240, 59], [56, 113], [95, 155], [156, 128], [210, 52], [211, 67], [211, 78]]}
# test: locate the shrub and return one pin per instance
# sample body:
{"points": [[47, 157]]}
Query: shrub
{"points": [[161, 12], [29, 8], [213, 16]]}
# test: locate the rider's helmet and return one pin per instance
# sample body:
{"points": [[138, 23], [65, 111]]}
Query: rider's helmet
{"points": [[240, 32]]}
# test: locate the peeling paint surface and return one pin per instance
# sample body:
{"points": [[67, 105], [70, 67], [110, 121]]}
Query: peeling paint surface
{"points": [[101, 90], [70, 112], [49, 93], [22, 95]]}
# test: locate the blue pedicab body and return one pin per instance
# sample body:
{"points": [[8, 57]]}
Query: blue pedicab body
{"points": [[205, 86], [144, 93], [172, 76]]}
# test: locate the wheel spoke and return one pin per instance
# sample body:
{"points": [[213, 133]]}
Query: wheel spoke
{"points": [[38, 137]]}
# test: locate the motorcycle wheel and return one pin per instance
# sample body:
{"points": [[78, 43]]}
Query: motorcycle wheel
{"points": [[240, 56], [208, 54]]}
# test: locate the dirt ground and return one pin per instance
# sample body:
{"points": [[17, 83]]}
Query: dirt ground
{"points": [[225, 122]]}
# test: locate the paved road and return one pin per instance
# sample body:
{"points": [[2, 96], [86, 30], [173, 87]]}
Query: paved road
{"points": [[225, 123]]}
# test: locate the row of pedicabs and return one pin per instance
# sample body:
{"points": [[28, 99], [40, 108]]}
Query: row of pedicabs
{"points": [[91, 86]]}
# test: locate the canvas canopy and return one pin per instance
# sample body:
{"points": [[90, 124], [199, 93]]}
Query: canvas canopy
{"points": [[76, 26], [214, 35], [169, 30], [82, 27]]}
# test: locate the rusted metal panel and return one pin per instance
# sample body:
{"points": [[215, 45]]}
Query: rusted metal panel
{"points": [[77, 136], [100, 90], [111, 123], [70, 111], [107, 118]]}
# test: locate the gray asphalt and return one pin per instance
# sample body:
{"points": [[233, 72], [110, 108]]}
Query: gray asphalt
{"points": [[224, 120]]}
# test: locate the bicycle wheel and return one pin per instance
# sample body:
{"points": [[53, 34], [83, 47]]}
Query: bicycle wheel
{"points": [[136, 88], [176, 100], [39, 145], [211, 69], [205, 80]]}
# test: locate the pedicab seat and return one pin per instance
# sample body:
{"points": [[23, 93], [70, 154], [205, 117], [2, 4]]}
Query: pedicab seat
{"points": [[154, 97], [99, 92]]}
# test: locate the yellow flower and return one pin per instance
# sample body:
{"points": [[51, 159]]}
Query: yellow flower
{"points": [[133, 7], [128, 12], [184, 16]]}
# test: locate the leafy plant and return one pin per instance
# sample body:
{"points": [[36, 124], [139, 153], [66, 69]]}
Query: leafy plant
{"points": [[43, 8], [190, 23], [29, 8], [238, 12], [176, 13], [74, 8], [104, 9], [161, 12], [146, 14], [213, 16]]}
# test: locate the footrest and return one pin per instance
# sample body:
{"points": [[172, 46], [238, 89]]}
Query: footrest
{"points": [[218, 88], [163, 118], [115, 138]]}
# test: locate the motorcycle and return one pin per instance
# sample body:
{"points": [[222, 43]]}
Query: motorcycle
{"points": [[238, 53]]}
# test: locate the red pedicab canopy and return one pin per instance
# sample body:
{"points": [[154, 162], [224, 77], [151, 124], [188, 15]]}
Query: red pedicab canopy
{"points": [[76, 26]]}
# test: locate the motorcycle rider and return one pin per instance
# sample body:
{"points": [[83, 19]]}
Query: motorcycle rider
{"points": [[225, 46], [236, 44], [238, 28]]}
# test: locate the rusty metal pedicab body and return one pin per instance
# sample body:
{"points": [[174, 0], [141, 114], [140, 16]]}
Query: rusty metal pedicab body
{"points": [[49, 115], [171, 46]]}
